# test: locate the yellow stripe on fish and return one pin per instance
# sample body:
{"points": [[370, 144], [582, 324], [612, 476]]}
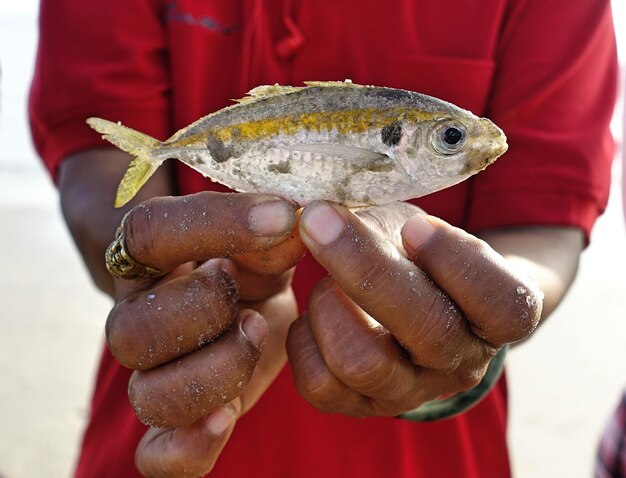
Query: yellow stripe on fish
{"points": [[344, 122]]}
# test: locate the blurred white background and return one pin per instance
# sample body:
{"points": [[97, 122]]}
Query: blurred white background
{"points": [[564, 382]]}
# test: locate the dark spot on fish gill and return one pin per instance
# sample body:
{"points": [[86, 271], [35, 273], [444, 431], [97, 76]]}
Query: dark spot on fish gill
{"points": [[219, 151], [391, 134], [282, 167]]}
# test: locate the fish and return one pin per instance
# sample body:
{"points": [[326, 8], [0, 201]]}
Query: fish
{"points": [[358, 145]]}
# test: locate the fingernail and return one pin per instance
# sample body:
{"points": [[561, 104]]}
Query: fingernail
{"points": [[272, 218], [255, 328], [322, 223], [218, 421], [416, 231]]}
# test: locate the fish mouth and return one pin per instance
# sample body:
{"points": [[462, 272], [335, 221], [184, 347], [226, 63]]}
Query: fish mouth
{"points": [[495, 139], [490, 145], [500, 145], [498, 148]]}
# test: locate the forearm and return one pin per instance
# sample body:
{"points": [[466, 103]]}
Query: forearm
{"points": [[549, 255], [87, 182]]}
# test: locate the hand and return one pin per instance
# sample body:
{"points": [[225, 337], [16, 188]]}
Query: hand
{"points": [[386, 333], [207, 339]]}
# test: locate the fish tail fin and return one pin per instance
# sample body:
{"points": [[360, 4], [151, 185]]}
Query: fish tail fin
{"points": [[139, 145]]}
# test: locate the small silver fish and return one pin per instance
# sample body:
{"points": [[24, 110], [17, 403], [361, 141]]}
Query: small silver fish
{"points": [[339, 141]]}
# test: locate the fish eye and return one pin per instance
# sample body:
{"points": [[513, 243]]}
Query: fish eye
{"points": [[448, 138], [452, 136]]}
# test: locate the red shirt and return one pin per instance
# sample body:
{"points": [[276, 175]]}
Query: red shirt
{"points": [[543, 71]]}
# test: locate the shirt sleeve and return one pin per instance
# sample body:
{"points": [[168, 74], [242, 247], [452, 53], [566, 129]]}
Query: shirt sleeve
{"points": [[553, 95], [102, 58]]}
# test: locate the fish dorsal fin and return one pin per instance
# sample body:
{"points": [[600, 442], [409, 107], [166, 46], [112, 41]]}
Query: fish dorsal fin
{"points": [[272, 90], [325, 84], [263, 91]]}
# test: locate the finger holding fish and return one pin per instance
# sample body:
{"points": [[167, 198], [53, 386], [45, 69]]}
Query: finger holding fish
{"points": [[276, 259], [418, 328], [165, 232]]}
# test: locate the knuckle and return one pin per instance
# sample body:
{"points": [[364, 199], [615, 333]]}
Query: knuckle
{"points": [[137, 393], [312, 378], [473, 368], [394, 407], [368, 278], [469, 378], [118, 340], [437, 333], [319, 292], [319, 387], [364, 369], [466, 261], [213, 291], [133, 336], [140, 230]]}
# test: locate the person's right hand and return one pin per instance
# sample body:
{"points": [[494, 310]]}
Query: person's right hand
{"points": [[207, 339]]}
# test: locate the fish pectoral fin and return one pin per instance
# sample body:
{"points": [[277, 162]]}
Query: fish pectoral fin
{"points": [[352, 154]]}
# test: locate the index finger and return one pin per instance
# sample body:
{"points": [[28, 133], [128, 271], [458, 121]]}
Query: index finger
{"points": [[167, 231]]}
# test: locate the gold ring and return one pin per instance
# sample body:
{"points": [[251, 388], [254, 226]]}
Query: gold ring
{"points": [[121, 265]]}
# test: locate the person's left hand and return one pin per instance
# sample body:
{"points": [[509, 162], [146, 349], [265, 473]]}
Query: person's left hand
{"points": [[386, 333]]}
